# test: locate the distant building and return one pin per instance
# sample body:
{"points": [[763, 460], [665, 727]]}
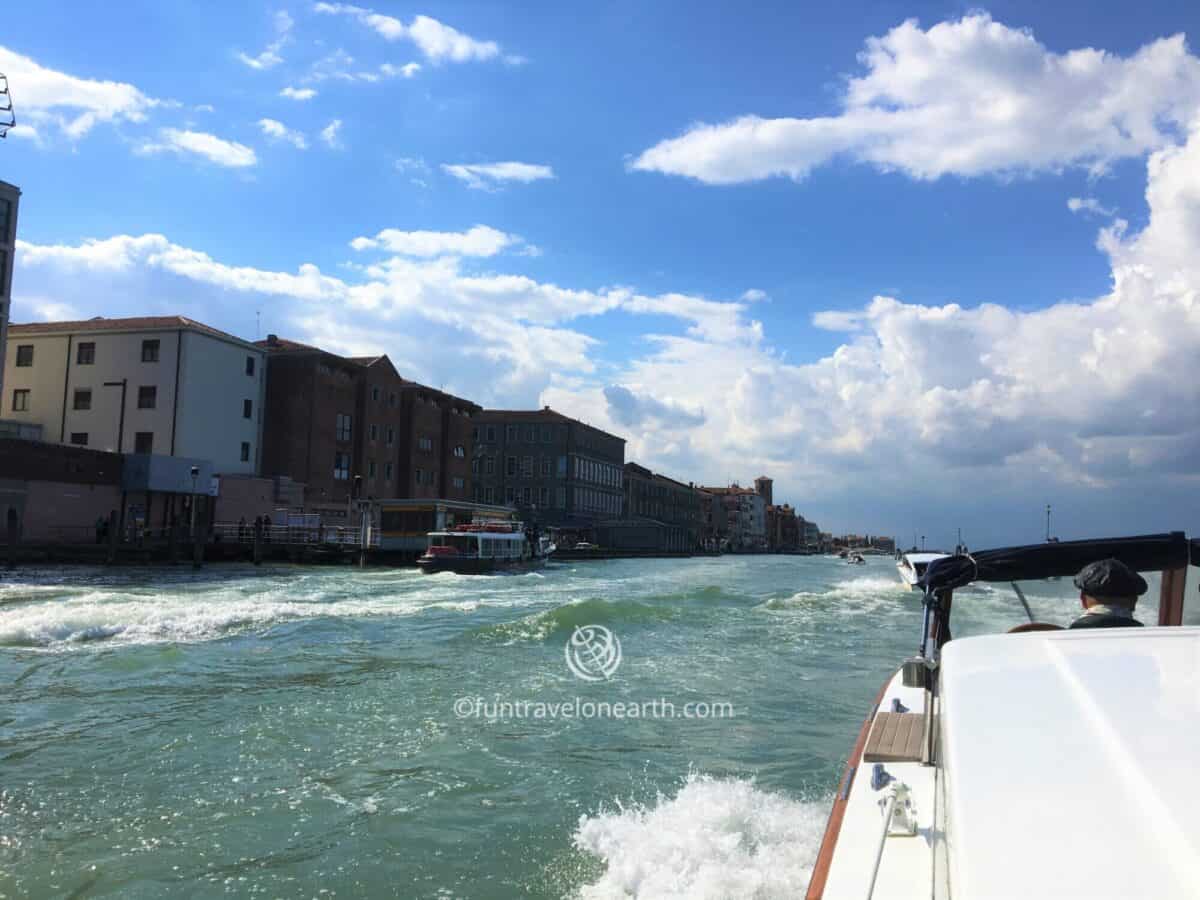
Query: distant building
{"points": [[556, 470], [746, 518], [333, 419], [783, 529], [764, 487], [659, 514], [161, 385], [714, 526], [10, 202]]}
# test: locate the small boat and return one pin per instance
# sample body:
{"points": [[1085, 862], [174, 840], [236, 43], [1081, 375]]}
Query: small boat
{"points": [[911, 566], [484, 548], [855, 559], [986, 766]]}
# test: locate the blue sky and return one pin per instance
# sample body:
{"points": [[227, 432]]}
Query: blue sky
{"points": [[936, 172]]}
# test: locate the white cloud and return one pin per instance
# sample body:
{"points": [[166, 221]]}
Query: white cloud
{"points": [[480, 240], [408, 70], [1089, 205], [753, 295], [436, 40], [329, 134], [300, 94], [278, 131], [200, 143], [489, 176], [967, 97], [46, 97], [270, 56]]}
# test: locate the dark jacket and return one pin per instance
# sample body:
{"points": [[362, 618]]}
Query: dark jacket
{"points": [[1104, 620]]}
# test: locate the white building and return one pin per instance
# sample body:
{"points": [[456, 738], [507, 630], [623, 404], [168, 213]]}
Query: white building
{"points": [[161, 384]]}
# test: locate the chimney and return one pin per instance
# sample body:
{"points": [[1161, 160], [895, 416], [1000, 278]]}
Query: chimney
{"points": [[272, 340]]}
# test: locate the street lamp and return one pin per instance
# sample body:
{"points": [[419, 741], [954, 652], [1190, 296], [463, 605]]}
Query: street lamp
{"points": [[122, 384]]}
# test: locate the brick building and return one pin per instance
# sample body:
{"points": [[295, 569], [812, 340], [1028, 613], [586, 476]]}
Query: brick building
{"points": [[674, 505], [555, 469], [783, 529], [331, 419]]}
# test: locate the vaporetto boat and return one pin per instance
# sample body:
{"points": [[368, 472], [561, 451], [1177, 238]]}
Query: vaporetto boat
{"points": [[480, 549], [1039, 763]]}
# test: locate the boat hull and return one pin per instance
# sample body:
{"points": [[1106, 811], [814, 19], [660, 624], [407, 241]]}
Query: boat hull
{"points": [[478, 565]]}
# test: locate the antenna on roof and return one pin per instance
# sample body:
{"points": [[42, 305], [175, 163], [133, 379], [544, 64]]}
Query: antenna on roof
{"points": [[257, 323], [8, 118]]}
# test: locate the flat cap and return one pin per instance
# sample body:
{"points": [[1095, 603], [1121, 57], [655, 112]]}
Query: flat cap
{"points": [[1110, 578]]}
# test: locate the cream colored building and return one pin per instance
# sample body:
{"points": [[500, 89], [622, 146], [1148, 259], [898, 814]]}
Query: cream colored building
{"points": [[165, 385]]}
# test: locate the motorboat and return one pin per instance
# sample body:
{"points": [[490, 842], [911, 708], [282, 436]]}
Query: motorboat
{"points": [[1038, 763], [912, 565], [856, 559], [483, 548]]}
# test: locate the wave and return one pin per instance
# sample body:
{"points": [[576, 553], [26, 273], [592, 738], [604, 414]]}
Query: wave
{"points": [[859, 595], [715, 838], [577, 613]]}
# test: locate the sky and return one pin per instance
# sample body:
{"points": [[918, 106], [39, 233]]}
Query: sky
{"points": [[929, 266]]}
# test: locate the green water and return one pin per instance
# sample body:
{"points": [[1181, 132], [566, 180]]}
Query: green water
{"points": [[291, 732]]}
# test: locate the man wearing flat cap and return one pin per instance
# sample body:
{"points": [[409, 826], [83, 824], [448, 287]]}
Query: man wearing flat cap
{"points": [[1108, 590]]}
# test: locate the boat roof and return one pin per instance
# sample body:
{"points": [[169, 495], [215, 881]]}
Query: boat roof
{"points": [[923, 557], [1070, 758], [492, 534]]}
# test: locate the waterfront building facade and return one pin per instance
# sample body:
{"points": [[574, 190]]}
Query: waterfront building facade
{"points": [[555, 470], [783, 529], [10, 202], [158, 385], [345, 424], [674, 507], [746, 518]]}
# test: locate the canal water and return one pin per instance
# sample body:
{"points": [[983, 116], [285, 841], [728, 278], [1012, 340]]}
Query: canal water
{"points": [[319, 732]]}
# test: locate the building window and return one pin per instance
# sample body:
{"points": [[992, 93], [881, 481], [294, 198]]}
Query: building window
{"points": [[150, 351], [510, 466], [562, 497], [424, 443], [391, 435], [147, 396], [24, 355], [459, 483], [83, 399], [491, 434], [508, 495], [475, 466], [511, 433], [247, 409], [245, 451], [341, 466], [392, 400], [21, 400], [475, 434], [420, 476], [544, 496], [344, 425], [79, 438], [547, 434], [373, 432], [527, 494], [143, 442], [527, 467], [375, 394], [460, 452], [387, 471], [489, 465], [531, 432], [85, 353], [370, 468], [546, 464], [489, 494], [249, 365]]}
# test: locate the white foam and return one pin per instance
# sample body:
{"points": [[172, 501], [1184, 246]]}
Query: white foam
{"points": [[716, 838]]}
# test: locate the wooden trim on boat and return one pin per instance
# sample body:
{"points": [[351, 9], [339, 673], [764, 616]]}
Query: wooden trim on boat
{"points": [[816, 885], [1170, 597]]}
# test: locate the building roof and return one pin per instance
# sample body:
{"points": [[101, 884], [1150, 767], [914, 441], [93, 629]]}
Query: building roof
{"points": [[275, 344], [545, 414], [133, 323]]}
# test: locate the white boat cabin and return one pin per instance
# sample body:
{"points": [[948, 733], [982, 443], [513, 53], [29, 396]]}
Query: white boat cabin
{"points": [[500, 542]]}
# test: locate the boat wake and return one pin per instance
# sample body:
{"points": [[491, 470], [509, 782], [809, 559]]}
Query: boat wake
{"points": [[715, 838]]}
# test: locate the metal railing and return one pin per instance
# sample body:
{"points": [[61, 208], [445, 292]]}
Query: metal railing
{"points": [[321, 535]]}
